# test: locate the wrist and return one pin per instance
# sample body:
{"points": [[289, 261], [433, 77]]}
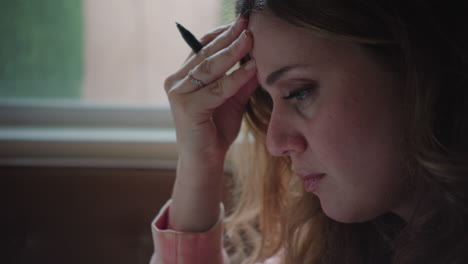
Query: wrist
{"points": [[209, 162], [199, 175]]}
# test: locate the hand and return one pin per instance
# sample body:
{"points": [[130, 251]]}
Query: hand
{"points": [[208, 118]]}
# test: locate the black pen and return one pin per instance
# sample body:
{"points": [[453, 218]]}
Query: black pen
{"points": [[190, 38]]}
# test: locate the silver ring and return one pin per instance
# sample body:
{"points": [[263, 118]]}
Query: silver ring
{"points": [[197, 82]]}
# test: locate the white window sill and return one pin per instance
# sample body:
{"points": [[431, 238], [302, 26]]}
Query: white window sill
{"points": [[73, 134]]}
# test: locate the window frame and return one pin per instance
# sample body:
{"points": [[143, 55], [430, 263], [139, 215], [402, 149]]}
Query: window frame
{"points": [[69, 133], [73, 133]]}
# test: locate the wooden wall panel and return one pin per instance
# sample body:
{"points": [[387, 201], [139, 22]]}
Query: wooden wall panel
{"points": [[76, 215]]}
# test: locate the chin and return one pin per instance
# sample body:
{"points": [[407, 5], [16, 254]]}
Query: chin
{"points": [[348, 215]]}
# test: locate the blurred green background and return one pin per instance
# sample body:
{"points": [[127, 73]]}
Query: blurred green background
{"points": [[227, 14], [41, 48]]}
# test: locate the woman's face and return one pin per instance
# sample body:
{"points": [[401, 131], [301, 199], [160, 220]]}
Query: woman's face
{"points": [[336, 114]]}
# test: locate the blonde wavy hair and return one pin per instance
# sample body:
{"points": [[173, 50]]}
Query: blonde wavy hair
{"points": [[273, 215]]}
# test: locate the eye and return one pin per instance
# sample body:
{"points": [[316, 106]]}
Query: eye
{"points": [[301, 93]]}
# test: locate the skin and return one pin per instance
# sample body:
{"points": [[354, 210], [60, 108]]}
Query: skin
{"points": [[347, 127], [207, 120], [347, 123]]}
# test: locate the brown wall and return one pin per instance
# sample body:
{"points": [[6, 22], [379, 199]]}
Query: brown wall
{"points": [[67, 215]]}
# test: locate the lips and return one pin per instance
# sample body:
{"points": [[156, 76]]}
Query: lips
{"points": [[311, 181]]}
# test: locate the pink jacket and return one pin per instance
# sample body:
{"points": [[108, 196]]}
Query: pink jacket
{"points": [[173, 247]]}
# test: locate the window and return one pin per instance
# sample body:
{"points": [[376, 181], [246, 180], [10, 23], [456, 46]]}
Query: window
{"points": [[81, 80]]}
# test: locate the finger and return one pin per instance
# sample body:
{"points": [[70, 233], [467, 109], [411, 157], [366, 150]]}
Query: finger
{"points": [[216, 66], [234, 108], [207, 38], [220, 42], [224, 88], [242, 97]]}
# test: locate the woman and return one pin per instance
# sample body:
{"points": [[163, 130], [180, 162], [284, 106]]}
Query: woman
{"points": [[356, 119]]}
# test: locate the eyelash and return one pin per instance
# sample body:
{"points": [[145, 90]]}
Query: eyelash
{"points": [[301, 93]]}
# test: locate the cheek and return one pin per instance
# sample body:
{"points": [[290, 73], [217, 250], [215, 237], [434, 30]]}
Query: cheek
{"points": [[358, 122], [342, 132], [357, 140]]}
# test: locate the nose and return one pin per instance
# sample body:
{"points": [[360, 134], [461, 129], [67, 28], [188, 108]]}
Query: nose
{"points": [[283, 136]]}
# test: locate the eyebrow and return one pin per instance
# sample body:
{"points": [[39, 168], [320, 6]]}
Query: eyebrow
{"points": [[276, 75]]}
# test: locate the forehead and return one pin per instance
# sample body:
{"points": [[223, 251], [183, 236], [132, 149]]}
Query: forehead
{"points": [[273, 34], [278, 43]]}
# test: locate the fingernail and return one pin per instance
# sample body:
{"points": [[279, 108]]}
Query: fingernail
{"points": [[249, 65], [247, 33], [243, 35]]}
